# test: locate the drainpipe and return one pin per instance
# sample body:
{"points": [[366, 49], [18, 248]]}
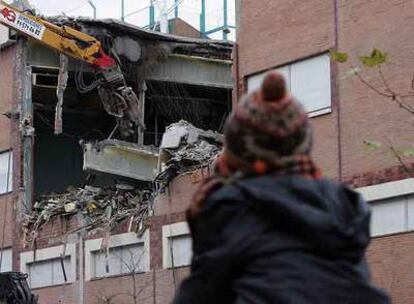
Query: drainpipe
{"points": [[236, 63], [336, 94], [81, 268]]}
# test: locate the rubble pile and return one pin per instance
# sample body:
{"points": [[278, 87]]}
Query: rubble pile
{"points": [[188, 148], [184, 148], [102, 208]]}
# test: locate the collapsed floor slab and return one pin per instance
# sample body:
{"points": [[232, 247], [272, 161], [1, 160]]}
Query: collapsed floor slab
{"points": [[122, 159]]}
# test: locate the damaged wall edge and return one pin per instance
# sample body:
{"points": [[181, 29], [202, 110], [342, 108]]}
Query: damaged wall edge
{"points": [[19, 194], [27, 132]]}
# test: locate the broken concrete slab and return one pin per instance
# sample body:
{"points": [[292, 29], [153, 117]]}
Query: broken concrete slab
{"points": [[121, 158]]}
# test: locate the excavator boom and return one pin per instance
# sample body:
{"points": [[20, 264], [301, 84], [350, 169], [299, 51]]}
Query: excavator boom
{"points": [[118, 99]]}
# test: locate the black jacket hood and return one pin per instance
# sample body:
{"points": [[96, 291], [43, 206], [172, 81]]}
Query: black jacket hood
{"points": [[331, 217]]}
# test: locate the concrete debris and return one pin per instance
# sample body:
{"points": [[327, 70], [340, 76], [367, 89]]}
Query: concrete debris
{"points": [[188, 148], [103, 209]]}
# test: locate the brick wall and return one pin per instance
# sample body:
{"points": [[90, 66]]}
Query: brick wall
{"points": [[281, 34], [182, 28], [286, 31], [6, 97], [365, 115], [158, 281], [391, 260], [290, 30], [275, 32]]}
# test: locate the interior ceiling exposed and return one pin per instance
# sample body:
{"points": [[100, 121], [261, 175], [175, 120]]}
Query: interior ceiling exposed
{"points": [[168, 102], [185, 79]]}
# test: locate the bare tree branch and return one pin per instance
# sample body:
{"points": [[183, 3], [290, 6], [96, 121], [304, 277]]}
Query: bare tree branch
{"points": [[387, 87], [391, 94], [365, 82], [402, 105], [401, 161]]}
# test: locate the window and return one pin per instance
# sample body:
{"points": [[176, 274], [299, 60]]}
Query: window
{"points": [[309, 80], [127, 254], [4, 34], [177, 245], [6, 166], [48, 272], [47, 269], [121, 260], [6, 263], [393, 215], [392, 207]]}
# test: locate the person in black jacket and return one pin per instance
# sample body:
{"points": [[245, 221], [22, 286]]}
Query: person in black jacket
{"points": [[266, 227]]}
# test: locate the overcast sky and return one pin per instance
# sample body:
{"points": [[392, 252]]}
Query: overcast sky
{"points": [[189, 10]]}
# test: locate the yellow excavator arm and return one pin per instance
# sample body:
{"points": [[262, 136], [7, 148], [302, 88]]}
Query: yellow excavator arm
{"points": [[118, 99]]}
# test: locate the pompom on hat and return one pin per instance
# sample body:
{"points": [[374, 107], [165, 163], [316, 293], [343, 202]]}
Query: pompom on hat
{"points": [[269, 126]]}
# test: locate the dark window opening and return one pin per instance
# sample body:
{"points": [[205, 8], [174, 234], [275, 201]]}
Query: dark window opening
{"points": [[168, 102], [58, 159]]}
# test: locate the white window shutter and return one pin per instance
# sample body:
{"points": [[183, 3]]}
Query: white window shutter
{"points": [[121, 260], [41, 274], [254, 82], [389, 216], [134, 258], [4, 168], [182, 250], [410, 210], [58, 277], [4, 34], [311, 82], [6, 263]]}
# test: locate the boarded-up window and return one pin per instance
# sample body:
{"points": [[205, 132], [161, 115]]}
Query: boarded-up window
{"points": [[309, 80]]}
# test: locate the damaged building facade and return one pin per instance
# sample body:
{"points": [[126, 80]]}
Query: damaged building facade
{"points": [[92, 214]]}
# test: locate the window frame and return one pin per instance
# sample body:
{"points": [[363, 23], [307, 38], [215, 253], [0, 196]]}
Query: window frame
{"points": [[399, 193], [6, 37], [117, 240], [50, 253], [8, 249], [318, 112], [168, 232], [10, 190]]}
